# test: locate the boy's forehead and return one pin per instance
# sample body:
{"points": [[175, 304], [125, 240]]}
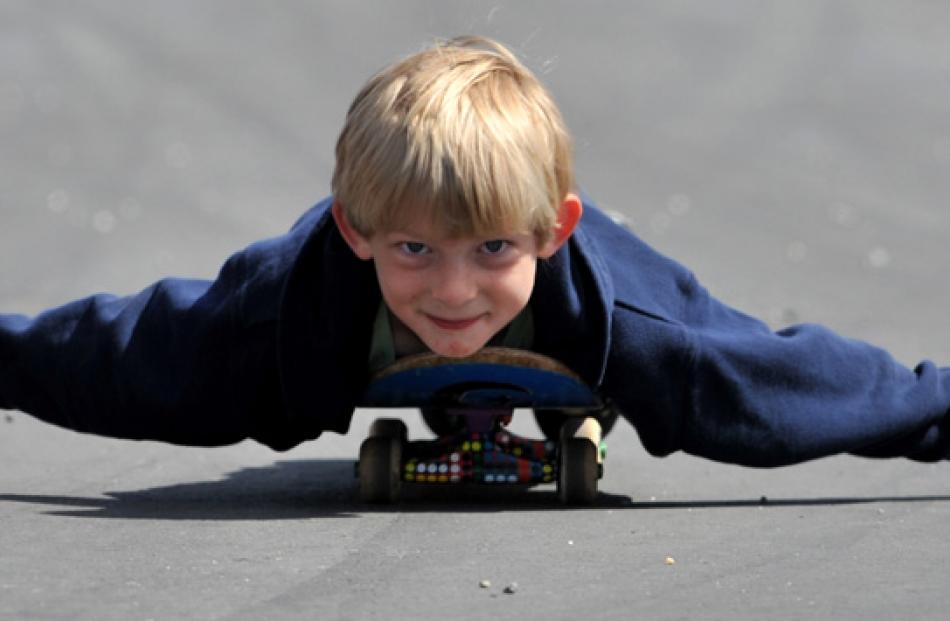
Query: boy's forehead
{"points": [[429, 229], [425, 223]]}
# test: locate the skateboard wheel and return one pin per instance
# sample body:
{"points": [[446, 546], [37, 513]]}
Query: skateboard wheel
{"points": [[380, 469], [579, 464], [389, 428], [577, 472]]}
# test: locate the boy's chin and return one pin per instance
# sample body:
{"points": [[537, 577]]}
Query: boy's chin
{"points": [[456, 349]]}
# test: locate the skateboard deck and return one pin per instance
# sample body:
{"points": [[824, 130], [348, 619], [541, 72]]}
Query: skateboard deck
{"points": [[495, 377], [480, 393]]}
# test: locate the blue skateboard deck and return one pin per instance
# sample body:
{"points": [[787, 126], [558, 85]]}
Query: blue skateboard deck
{"points": [[494, 378]]}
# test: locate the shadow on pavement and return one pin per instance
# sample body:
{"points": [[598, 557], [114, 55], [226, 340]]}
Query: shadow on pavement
{"points": [[327, 489]]}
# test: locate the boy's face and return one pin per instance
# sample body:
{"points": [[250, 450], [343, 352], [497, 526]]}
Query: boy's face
{"points": [[455, 294]]}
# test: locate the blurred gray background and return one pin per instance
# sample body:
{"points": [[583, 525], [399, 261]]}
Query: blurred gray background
{"points": [[794, 155]]}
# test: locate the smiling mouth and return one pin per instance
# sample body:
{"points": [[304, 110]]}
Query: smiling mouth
{"points": [[453, 324]]}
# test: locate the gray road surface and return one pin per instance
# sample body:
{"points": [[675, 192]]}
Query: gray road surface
{"points": [[795, 155]]}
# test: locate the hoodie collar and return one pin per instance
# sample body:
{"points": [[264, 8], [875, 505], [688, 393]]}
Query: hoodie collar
{"points": [[572, 302]]}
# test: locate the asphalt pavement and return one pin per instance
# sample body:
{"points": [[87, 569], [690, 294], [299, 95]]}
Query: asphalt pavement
{"points": [[794, 155]]}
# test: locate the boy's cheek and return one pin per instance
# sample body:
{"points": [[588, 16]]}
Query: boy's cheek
{"points": [[391, 282], [397, 292]]}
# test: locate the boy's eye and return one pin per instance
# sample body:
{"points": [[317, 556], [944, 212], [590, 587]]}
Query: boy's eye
{"points": [[494, 246], [413, 248]]}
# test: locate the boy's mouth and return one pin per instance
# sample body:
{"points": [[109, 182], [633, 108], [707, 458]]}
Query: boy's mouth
{"points": [[453, 324]]}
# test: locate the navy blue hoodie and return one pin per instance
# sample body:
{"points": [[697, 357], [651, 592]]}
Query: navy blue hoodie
{"points": [[276, 347]]}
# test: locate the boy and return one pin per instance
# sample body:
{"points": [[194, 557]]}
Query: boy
{"points": [[453, 225]]}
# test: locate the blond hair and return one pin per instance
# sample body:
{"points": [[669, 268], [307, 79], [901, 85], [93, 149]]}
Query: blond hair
{"points": [[461, 134]]}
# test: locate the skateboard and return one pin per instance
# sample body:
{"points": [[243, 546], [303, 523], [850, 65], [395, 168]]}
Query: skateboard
{"points": [[474, 398]]}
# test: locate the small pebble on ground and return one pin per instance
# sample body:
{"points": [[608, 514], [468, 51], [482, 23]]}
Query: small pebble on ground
{"points": [[511, 588]]}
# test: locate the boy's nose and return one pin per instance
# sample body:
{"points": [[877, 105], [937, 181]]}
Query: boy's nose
{"points": [[453, 285]]}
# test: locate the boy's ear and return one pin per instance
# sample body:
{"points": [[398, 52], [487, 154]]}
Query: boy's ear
{"points": [[568, 215], [357, 242]]}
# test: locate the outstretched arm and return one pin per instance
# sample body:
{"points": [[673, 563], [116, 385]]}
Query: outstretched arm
{"points": [[693, 374], [730, 389], [176, 362]]}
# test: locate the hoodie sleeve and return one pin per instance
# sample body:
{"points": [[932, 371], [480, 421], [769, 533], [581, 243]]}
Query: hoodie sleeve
{"points": [[177, 362], [693, 374], [773, 398]]}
